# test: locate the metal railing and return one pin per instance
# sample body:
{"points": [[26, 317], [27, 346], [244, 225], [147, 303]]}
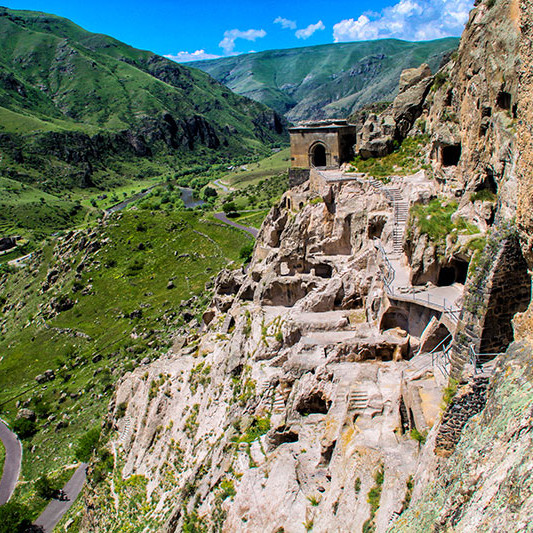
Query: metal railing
{"points": [[478, 359], [387, 272]]}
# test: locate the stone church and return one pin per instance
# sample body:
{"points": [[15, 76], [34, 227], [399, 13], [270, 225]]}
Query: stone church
{"points": [[323, 144]]}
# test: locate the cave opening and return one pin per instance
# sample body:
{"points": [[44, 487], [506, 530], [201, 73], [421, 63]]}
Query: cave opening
{"points": [[395, 317], [455, 271], [450, 155], [312, 404], [503, 100]]}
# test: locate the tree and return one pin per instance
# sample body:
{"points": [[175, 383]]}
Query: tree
{"points": [[209, 192], [24, 428], [229, 208], [14, 518], [44, 488], [246, 252], [86, 445]]}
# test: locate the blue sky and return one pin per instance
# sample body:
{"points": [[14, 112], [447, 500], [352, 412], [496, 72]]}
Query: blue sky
{"points": [[185, 30]]}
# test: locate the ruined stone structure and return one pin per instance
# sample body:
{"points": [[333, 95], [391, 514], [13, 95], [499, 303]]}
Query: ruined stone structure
{"points": [[500, 289], [324, 144]]}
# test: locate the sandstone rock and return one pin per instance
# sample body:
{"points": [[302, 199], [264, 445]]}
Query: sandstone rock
{"points": [[26, 414]]}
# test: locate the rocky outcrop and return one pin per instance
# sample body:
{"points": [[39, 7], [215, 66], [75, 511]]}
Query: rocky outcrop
{"points": [[285, 411], [473, 106], [380, 134], [485, 485]]}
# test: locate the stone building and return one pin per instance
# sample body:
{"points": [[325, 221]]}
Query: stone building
{"points": [[323, 144]]}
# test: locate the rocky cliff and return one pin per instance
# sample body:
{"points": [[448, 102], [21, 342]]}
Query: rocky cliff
{"points": [[317, 395]]}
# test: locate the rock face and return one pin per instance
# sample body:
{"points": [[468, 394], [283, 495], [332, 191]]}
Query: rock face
{"points": [[286, 412], [472, 109], [380, 134], [486, 484], [293, 410]]}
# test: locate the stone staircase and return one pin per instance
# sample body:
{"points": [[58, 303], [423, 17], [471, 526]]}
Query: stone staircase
{"points": [[357, 400], [278, 405], [126, 431], [401, 212]]}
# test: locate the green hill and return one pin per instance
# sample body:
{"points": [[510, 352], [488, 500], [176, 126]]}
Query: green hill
{"points": [[327, 80], [76, 108]]}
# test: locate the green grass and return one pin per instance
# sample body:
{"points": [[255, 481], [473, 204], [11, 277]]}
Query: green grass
{"points": [[277, 163], [406, 159], [31, 212], [435, 220], [374, 498], [252, 219], [101, 322], [484, 195]]}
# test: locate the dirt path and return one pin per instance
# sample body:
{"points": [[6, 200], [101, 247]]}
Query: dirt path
{"points": [[12, 463], [57, 508], [223, 218]]}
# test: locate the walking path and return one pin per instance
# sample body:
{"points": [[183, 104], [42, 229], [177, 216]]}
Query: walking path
{"points": [[57, 508], [223, 218], [218, 183], [12, 463]]}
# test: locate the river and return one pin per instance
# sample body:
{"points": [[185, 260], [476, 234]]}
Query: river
{"points": [[187, 195]]}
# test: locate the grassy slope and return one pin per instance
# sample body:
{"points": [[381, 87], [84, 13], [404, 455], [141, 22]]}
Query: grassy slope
{"points": [[78, 108], [277, 163], [258, 187], [31, 343], [102, 82], [343, 76], [25, 209]]}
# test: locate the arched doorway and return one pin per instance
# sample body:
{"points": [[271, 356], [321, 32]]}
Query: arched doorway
{"points": [[318, 155]]}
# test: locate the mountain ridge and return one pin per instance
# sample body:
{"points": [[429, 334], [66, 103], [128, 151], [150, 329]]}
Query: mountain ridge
{"points": [[57, 77], [325, 80]]}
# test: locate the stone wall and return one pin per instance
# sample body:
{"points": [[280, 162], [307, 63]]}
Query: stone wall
{"points": [[524, 171], [469, 401], [297, 176], [498, 287], [301, 141]]}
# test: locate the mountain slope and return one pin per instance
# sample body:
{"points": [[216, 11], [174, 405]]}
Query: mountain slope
{"points": [[61, 87], [327, 80]]}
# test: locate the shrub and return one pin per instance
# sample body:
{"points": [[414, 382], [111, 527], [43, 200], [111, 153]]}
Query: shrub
{"points": [[24, 428], [247, 251], [14, 518], [419, 437], [86, 445], [229, 208], [44, 488]]}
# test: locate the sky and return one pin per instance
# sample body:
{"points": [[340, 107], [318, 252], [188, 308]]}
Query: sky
{"points": [[206, 29]]}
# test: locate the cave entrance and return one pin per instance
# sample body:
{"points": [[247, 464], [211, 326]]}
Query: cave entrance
{"points": [[503, 100], [395, 317], [450, 155], [454, 272], [318, 155]]}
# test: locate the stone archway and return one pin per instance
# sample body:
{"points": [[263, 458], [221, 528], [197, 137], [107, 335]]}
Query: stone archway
{"points": [[318, 155]]}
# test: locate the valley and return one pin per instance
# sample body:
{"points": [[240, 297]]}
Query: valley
{"points": [[203, 329]]}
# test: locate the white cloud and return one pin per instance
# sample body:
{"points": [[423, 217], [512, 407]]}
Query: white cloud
{"points": [[228, 43], [413, 20], [286, 23], [305, 33], [183, 57]]}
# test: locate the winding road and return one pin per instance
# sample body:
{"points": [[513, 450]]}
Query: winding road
{"points": [[248, 229], [57, 508], [11, 464]]}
